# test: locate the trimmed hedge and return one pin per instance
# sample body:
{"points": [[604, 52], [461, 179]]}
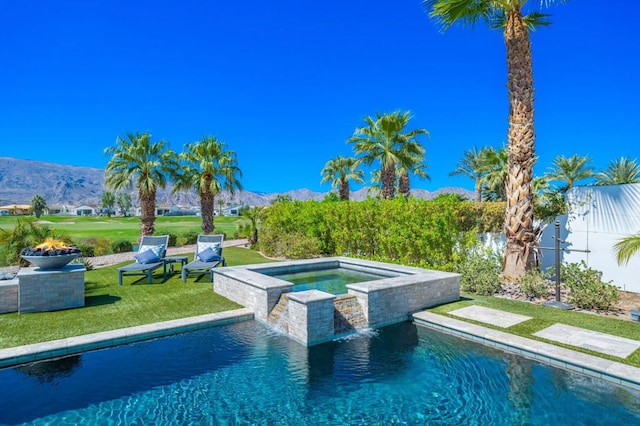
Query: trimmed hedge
{"points": [[417, 232]]}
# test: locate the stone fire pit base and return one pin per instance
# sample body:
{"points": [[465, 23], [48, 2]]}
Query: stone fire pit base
{"points": [[50, 290]]}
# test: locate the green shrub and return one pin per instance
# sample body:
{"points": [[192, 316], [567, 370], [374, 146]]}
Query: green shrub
{"points": [[101, 246], [25, 233], [587, 290], [533, 284], [173, 238], [188, 237], [480, 273], [121, 246], [87, 249]]}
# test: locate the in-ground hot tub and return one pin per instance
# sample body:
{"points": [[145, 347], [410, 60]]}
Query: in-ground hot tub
{"points": [[313, 316]]}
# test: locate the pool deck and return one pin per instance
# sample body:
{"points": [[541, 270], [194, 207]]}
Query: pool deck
{"points": [[612, 371], [73, 345]]}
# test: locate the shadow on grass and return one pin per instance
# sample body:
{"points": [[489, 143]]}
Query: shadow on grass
{"points": [[103, 299]]}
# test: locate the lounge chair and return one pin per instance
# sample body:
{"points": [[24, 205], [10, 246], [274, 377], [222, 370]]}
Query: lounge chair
{"points": [[205, 245], [150, 256]]}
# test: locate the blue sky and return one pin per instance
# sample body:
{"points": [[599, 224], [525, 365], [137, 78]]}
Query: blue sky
{"points": [[285, 82]]}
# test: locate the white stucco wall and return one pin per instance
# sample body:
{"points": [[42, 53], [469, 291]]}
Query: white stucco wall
{"points": [[598, 217]]}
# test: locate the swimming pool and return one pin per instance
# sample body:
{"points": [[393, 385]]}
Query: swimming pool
{"points": [[246, 374]]}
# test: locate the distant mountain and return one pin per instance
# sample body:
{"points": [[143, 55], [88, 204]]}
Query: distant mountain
{"points": [[21, 180]]}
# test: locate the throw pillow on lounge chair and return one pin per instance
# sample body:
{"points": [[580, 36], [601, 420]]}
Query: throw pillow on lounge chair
{"points": [[208, 255], [156, 249], [147, 256], [213, 246]]}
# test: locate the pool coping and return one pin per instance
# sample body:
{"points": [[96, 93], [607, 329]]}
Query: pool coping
{"points": [[591, 365], [11, 357]]}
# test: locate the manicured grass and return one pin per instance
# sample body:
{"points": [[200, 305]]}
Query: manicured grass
{"points": [[125, 228], [109, 306], [543, 317]]}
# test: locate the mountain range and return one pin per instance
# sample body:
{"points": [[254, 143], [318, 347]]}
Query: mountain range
{"points": [[58, 184]]}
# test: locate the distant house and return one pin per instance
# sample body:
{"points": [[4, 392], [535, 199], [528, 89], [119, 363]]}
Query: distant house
{"points": [[232, 210], [161, 210], [85, 211], [17, 208], [4, 212], [61, 210]]}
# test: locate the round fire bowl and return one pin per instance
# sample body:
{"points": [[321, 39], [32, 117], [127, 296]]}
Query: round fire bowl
{"points": [[51, 262]]}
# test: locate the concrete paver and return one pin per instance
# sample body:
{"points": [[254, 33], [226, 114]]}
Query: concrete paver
{"points": [[490, 316], [592, 340]]}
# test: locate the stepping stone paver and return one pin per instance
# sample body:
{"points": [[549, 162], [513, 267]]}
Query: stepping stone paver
{"points": [[490, 316], [592, 340]]}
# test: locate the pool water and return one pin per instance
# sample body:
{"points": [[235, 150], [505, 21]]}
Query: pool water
{"points": [[245, 374], [332, 280]]}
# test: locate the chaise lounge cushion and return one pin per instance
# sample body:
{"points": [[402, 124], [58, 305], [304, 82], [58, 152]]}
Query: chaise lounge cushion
{"points": [[147, 256], [208, 255], [202, 246]]}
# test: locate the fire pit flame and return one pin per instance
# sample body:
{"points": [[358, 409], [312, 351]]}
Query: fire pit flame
{"points": [[50, 247]]}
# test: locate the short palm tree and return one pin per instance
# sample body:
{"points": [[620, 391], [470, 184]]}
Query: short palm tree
{"points": [[626, 248], [38, 204], [473, 165], [208, 167], [255, 216], [138, 162], [620, 171], [520, 253], [124, 203], [385, 140], [339, 171], [570, 170]]}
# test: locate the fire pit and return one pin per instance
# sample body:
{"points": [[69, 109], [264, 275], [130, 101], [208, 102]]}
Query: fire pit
{"points": [[52, 254]]}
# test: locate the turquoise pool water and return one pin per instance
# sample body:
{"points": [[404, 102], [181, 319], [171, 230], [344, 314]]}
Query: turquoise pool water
{"points": [[332, 281], [245, 374]]}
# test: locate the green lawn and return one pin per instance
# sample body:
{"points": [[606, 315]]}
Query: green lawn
{"points": [[543, 317], [125, 228], [109, 306]]}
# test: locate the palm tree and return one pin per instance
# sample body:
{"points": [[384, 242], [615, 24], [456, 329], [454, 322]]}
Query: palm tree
{"points": [[38, 204], [383, 140], [621, 170], [570, 170], [416, 168], [507, 15], [473, 165], [208, 167], [138, 162], [108, 201], [496, 171], [340, 171], [255, 216], [626, 248]]}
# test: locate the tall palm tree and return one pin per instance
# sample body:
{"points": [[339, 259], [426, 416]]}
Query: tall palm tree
{"points": [[507, 14], [621, 170], [384, 139], [208, 167], [417, 168], [473, 165], [339, 171], [138, 162], [570, 170]]}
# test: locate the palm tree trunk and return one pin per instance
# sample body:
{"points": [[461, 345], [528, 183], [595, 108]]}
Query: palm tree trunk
{"points": [[148, 211], [206, 210], [521, 239], [388, 179], [479, 189], [404, 185], [344, 190]]}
